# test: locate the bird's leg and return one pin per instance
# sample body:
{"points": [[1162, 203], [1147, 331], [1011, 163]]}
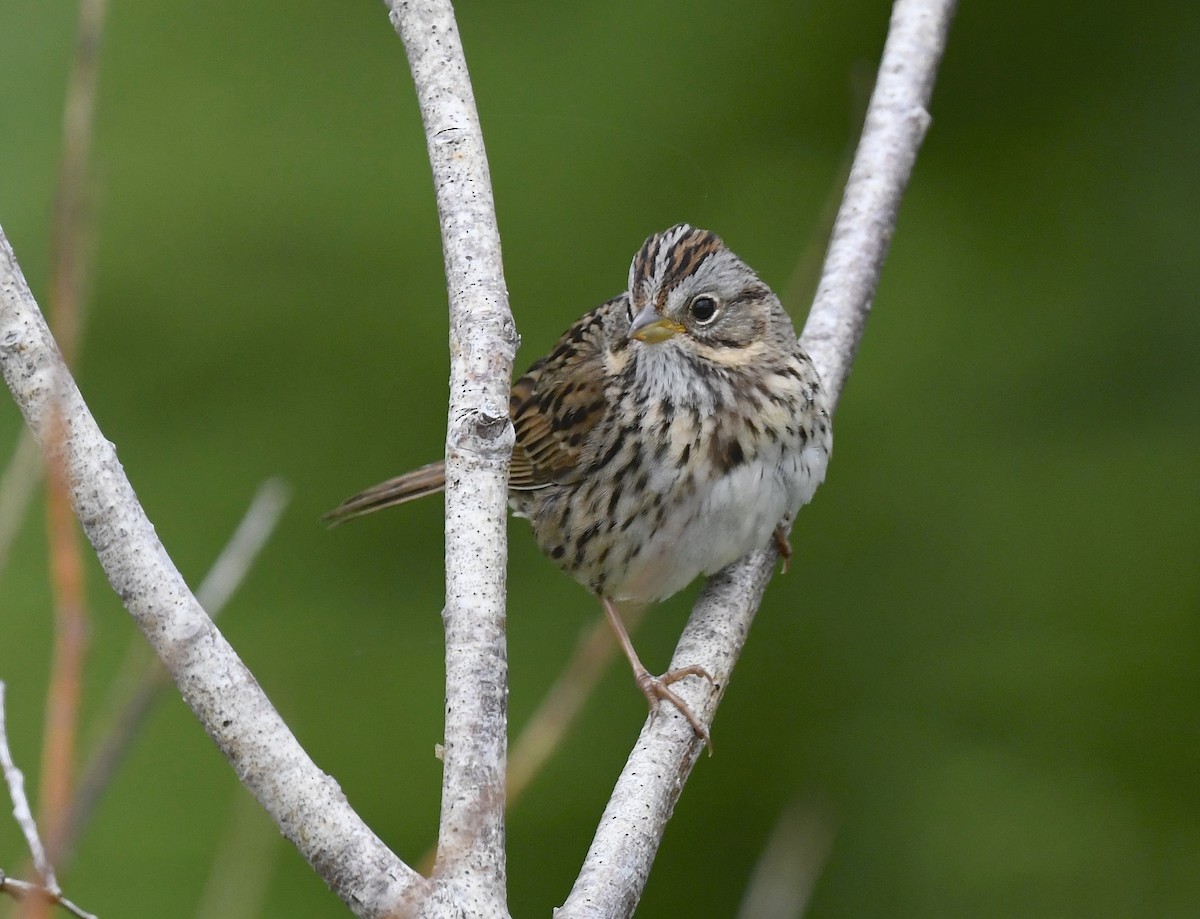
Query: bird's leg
{"points": [[784, 547], [655, 688]]}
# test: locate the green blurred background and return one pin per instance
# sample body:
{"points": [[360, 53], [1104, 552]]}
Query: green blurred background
{"points": [[982, 673]]}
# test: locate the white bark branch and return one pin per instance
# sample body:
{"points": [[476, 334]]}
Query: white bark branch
{"points": [[19, 890], [617, 864], [307, 804], [14, 778], [479, 444]]}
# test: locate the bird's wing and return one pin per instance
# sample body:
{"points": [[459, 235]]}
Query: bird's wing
{"points": [[558, 402]]}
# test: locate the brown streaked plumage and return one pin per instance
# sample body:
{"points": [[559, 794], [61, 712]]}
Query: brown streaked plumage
{"points": [[669, 432]]}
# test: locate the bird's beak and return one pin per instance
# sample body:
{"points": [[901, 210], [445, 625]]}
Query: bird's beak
{"points": [[650, 327]]}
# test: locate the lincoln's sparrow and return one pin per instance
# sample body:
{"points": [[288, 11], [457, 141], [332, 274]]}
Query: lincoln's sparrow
{"points": [[668, 433]]}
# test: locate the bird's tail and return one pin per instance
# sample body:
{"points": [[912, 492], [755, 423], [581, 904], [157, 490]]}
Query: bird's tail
{"points": [[427, 480]]}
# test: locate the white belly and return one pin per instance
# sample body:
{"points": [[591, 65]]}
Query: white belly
{"points": [[725, 519]]}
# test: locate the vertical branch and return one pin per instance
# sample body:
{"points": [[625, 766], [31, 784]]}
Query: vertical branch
{"points": [[478, 446], [618, 863]]}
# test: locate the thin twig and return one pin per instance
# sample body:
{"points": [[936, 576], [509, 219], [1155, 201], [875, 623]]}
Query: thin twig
{"points": [[27, 891], [241, 551], [479, 444], [618, 863], [15, 780], [47, 891], [143, 680]]}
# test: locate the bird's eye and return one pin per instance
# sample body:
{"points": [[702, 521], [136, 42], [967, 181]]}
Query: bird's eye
{"points": [[703, 309]]}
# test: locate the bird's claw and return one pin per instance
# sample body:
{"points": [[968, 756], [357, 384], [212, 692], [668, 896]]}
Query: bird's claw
{"points": [[657, 689]]}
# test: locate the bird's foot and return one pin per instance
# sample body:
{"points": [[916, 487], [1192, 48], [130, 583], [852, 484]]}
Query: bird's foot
{"points": [[658, 688]]}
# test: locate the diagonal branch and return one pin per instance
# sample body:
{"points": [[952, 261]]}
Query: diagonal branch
{"points": [[307, 804], [618, 863], [478, 446]]}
